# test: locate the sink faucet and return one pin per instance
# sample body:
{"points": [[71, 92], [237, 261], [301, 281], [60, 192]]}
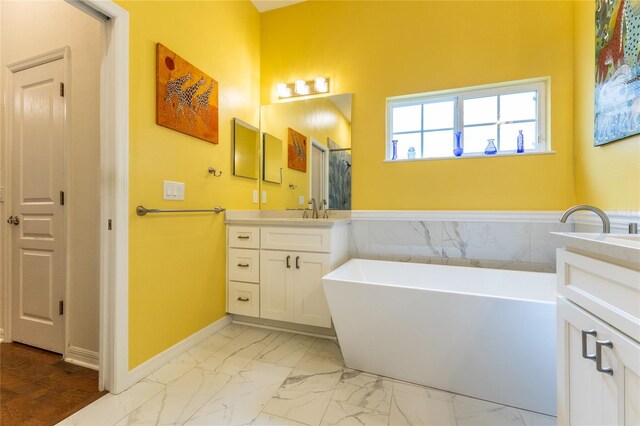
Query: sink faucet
{"points": [[606, 225], [314, 208]]}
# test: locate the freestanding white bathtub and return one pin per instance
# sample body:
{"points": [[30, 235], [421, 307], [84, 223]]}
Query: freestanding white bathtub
{"points": [[486, 333]]}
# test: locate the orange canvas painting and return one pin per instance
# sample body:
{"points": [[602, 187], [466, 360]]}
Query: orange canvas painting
{"points": [[297, 151], [186, 98]]}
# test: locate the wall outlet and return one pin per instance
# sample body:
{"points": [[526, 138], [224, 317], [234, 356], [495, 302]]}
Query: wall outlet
{"points": [[172, 190], [255, 196], [301, 200], [264, 196]]}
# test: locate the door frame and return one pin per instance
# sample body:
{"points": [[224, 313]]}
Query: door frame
{"points": [[325, 176], [45, 58], [114, 195]]}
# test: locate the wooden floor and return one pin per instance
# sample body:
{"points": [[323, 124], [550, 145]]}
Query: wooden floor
{"points": [[38, 388]]}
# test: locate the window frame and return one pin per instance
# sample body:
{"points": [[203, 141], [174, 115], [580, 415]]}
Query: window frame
{"points": [[540, 85]]}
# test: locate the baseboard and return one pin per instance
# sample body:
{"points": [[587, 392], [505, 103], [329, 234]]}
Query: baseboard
{"points": [[83, 357], [151, 365], [307, 330]]}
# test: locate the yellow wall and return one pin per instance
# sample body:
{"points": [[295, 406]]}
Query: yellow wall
{"points": [[177, 262], [315, 118], [607, 176], [380, 49]]}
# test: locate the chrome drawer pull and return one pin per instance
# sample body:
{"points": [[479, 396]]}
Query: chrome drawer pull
{"points": [[243, 237], [243, 265], [585, 355], [243, 299], [599, 345]]}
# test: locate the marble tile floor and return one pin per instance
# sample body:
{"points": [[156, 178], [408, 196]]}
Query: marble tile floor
{"points": [[253, 376]]}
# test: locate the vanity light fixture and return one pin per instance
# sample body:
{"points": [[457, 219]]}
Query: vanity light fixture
{"points": [[316, 86]]}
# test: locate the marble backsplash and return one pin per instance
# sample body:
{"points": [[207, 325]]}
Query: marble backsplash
{"points": [[525, 246]]}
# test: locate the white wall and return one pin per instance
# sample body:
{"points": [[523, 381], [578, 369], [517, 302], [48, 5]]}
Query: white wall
{"points": [[29, 28]]}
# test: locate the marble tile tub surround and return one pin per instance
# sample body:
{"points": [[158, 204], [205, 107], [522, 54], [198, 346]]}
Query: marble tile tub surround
{"points": [[252, 376], [489, 239]]}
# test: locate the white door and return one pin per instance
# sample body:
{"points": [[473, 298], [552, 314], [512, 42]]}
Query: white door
{"points": [[311, 306], [38, 243]]}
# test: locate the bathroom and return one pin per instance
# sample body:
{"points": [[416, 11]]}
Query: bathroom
{"points": [[487, 211]]}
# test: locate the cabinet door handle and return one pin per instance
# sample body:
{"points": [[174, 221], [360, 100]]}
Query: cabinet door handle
{"points": [[585, 355], [243, 237], [243, 299], [288, 259], [297, 262], [599, 345], [243, 265]]}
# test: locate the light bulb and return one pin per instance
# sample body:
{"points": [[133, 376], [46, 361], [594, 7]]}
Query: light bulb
{"points": [[301, 87], [321, 85], [283, 90]]}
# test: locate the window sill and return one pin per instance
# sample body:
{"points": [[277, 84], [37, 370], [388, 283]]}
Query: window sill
{"points": [[508, 154]]}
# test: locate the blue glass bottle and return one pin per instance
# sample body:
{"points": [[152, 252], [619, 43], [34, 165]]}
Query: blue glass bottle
{"points": [[457, 148], [491, 147], [394, 152], [520, 143]]}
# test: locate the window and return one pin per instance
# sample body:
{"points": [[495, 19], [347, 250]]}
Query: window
{"points": [[424, 125]]}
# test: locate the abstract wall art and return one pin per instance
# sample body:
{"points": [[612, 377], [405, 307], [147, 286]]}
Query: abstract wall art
{"points": [[186, 98], [296, 151], [617, 82]]}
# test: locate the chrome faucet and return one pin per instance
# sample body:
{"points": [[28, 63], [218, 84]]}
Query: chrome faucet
{"points": [[314, 208], [606, 225]]}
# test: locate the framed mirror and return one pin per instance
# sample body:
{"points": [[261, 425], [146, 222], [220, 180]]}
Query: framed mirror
{"points": [[245, 149], [271, 158], [325, 123]]}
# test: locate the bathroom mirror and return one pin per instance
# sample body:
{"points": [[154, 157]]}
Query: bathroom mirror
{"points": [[271, 158], [325, 122], [245, 149]]}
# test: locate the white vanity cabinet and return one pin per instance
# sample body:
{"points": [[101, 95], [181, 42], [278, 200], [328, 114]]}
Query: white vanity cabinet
{"points": [[598, 339], [291, 287], [279, 276]]}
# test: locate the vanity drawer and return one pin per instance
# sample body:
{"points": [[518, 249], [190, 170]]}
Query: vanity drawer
{"points": [[244, 265], [298, 239], [244, 237], [244, 299], [608, 291]]}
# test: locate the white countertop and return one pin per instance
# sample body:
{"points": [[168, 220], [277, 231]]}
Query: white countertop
{"points": [[285, 218], [625, 247]]}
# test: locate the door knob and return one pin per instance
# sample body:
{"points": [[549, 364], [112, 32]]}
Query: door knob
{"points": [[13, 220]]}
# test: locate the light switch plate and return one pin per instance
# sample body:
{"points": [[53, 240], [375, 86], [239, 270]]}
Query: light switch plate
{"points": [[1, 193], [264, 196], [255, 196], [172, 190], [301, 200]]}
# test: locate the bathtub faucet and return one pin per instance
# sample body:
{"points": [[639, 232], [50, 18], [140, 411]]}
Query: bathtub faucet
{"points": [[606, 225]]}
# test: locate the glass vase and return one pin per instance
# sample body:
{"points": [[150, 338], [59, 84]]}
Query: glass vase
{"points": [[394, 149], [457, 148], [491, 147]]}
